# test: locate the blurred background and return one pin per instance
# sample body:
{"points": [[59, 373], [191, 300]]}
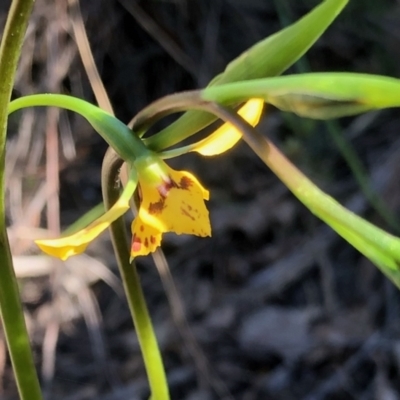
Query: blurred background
{"points": [[275, 305]]}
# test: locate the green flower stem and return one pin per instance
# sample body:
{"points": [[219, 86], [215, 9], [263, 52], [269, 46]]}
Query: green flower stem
{"points": [[12, 314], [114, 132], [131, 281]]}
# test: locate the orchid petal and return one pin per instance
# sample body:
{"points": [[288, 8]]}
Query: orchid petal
{"points": [[225, 137]]}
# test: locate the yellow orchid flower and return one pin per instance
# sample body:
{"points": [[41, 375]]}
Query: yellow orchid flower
{"points": [[171, 201], [174, 203]]}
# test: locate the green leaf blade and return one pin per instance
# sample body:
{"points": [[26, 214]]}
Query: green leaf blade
{"points": [[273, 55], [314, 95], [270, 57]]}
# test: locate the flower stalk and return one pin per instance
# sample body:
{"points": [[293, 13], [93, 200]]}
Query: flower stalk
{"points": [[11, 310], [131, 281]]}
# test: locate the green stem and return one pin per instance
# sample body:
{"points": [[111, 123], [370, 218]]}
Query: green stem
{"points": [[131, 281], [12, 314], [128, 145]]}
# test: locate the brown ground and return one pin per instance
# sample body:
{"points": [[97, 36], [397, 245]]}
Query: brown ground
{"points": [[279, 307]]}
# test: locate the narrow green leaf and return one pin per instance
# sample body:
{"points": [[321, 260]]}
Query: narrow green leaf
{"points": [[270, 57], [382, 248], [388, 264], [315, 95], [276, 53]]}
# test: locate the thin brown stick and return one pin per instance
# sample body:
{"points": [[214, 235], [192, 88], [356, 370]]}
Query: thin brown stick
{"points": [[52, 170], [164, 40], [86, 54], [178, 314]]}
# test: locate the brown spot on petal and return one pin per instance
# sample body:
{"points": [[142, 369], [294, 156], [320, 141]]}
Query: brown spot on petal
{"points": [[156, 208], [185, 183], [146, 242], [141, 228], [152, 239], [184, 212]]}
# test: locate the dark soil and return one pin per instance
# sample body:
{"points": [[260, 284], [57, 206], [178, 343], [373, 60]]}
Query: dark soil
{"points": [[277, 305]]}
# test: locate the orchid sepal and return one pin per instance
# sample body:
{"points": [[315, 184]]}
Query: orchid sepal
{"points": [[76, 243]]}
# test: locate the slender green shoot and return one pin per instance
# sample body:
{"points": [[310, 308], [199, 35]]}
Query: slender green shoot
{"points": [[12, 314], [131, 281]]}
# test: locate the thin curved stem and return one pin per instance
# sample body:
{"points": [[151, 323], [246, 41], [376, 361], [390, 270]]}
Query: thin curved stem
{"points": [[131, 281], [11, 311], [166, 105], [125, 142], [193, 100]]}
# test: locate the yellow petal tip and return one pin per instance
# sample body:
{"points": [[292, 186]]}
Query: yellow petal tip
{"points": [[60, 248], [225, 137]]}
